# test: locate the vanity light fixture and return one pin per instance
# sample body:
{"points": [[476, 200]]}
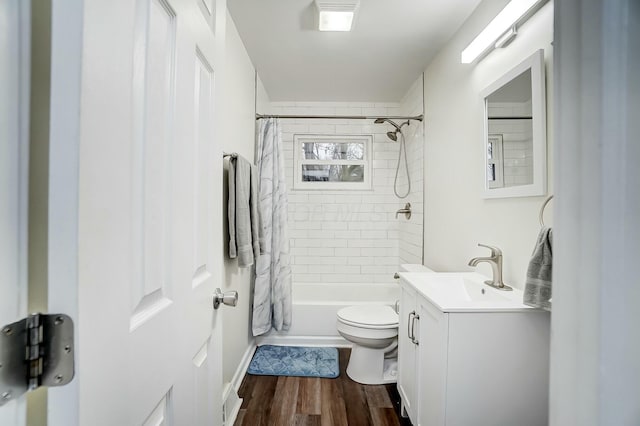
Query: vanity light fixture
{"points": [[499, 29], [336, 15], [506, 38]]}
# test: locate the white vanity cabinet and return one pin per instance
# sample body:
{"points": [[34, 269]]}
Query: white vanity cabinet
{"points": [[471, 365], [407, 352], [432, 368]]}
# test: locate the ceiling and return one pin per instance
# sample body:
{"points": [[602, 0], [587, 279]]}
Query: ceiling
{"points": [[389, 47]]}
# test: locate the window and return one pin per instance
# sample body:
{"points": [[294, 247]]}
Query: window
{"points": [[332, 162]]}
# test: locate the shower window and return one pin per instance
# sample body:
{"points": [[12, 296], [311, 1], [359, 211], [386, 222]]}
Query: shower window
{"points": [[332, 162]]}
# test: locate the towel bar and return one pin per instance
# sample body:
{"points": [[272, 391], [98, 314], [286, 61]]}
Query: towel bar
{"points": [[544, 205]]}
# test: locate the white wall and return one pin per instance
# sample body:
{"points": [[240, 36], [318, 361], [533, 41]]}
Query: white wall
{"points": [[263, 103], [457, 217], [238, 127]]}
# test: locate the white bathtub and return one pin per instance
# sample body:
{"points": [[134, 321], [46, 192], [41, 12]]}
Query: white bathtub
{"points": [[315, 305]]}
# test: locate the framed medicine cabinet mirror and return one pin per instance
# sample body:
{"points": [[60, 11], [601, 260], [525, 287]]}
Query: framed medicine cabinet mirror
{"points": [[515, 141]]}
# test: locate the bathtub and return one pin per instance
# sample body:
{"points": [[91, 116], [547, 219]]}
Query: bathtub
{"points": [[315, 305]]}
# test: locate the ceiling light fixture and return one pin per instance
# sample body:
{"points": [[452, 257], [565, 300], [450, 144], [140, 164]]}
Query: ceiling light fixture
{"points": [[508, 17], [336, 15]]}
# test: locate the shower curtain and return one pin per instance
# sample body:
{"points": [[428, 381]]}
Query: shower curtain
{"points": [[272, 289]]}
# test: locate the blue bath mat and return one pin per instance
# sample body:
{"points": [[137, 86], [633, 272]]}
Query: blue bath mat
{"points": [[297, 361]]}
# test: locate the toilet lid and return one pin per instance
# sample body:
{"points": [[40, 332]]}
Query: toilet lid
{"points": [[369, 315]]}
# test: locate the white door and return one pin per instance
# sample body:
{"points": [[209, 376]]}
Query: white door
{"points": [[14, 143], [134, 240]]}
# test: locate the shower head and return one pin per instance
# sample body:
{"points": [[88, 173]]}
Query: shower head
{"points": [[383, 120], [392, 135]]}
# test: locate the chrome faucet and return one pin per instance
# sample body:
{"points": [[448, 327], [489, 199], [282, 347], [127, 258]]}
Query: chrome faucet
{"points": [[495, 260], [406, 211]]}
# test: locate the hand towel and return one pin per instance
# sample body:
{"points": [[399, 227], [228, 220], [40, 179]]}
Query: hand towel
{"points": [[537, 291], [231, 207], [257, 236], [243, 212]]}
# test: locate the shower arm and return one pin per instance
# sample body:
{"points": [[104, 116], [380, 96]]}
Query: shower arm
{"points": [[397, 127]]}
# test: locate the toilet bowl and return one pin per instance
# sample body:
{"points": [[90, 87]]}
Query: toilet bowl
{"points": [[373, 332]]}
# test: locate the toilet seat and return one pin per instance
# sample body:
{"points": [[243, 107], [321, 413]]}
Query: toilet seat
{"points": [[369, 316]]}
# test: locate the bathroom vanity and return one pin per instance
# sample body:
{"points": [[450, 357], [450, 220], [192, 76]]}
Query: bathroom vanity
{"points": [[470, 354]]}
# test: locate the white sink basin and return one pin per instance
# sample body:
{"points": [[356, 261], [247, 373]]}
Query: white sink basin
{"points": [[475, 291], [464, 292]]}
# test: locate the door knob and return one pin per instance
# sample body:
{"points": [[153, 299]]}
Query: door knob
{"points": [[229, 298]]}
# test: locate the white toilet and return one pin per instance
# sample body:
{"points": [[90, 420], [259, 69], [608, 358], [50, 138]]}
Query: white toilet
{"points": [[373, 331]]}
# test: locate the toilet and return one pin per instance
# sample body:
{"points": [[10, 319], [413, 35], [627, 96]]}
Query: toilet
{"points": [[373, 332]]}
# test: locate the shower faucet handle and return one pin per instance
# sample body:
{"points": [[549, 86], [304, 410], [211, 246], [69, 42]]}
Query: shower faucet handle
{"points": [[406, 211]]}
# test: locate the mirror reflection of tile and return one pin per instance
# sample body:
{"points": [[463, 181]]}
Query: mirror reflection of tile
{"points": [[510, 119]]}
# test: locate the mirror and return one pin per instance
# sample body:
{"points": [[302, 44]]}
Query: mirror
{"points": [[515, 154]]}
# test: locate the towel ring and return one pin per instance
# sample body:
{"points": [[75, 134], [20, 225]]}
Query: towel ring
{"points": [[544, 205]]}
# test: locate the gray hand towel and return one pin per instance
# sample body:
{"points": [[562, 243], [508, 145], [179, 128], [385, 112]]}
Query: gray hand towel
{"points": [[537, 290], [256, 229], [243, 212], [231, 208]]}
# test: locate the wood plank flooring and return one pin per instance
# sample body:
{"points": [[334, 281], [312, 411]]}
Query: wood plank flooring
{"points": [[309, 401]]}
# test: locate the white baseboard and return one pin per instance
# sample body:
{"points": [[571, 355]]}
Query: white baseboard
{"points": [[283, 340], [232, 402], [236, 381]]}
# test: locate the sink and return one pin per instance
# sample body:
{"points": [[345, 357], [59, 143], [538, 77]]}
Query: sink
{"points": [[478, 291], [464, 292]]}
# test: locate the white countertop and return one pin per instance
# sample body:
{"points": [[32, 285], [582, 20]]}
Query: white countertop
{"points": [[464, 292]]}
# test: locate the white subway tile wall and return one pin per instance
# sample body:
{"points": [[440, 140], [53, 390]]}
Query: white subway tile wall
{"points": [[353, 236]]}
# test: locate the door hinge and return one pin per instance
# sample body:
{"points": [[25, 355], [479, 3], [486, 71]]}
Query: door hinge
{"points": [[36, 351]]}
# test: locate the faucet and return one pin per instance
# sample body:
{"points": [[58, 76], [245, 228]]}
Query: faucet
{"points": [[495, 260], [406, 211]]}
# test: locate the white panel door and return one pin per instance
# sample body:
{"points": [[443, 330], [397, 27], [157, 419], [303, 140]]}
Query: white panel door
{"points": [[14, 142], [138, 260]]}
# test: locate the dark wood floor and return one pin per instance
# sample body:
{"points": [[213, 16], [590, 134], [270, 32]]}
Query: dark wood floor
{"points": [[312, 401]]}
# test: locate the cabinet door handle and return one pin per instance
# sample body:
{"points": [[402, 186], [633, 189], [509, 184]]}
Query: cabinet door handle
{"points": [[409, 325], [413, 334]]}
